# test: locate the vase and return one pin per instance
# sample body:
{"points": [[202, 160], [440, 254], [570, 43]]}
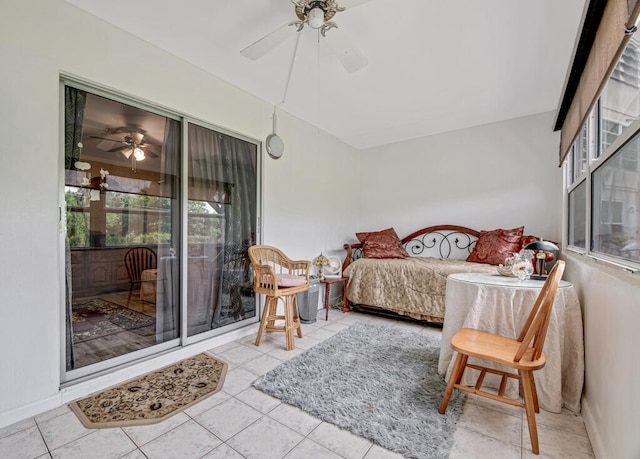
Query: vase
{"points": [[522, 265]]}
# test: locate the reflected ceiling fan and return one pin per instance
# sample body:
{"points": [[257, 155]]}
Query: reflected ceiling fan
{"points": [[132, 145], [317, 14]]}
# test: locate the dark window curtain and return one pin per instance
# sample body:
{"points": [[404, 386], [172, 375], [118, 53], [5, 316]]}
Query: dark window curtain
{"points": [[167, 312], [74, 103], [239, 168], [223, 168], [606, 30]]}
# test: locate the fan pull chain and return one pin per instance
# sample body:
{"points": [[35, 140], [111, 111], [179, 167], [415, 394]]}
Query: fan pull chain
{"points": [[318, 94], [293, 59]]}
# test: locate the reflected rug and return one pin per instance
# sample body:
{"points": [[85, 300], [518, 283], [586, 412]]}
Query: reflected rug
{"points": [[96, 318], [153, 397], [379, 382]]}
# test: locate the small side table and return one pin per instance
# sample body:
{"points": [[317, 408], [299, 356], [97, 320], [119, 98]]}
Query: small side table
{"points": [[327, 293]]}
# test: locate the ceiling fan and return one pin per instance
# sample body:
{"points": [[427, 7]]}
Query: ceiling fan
{"points": [[317, 14], [133, 143]]}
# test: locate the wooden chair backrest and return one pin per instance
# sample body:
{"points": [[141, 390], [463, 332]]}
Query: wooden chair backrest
{"points": [[267, 262], [534, 331], [137, 260]]}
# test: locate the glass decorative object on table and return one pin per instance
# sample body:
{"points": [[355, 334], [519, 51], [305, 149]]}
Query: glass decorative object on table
{"points": [[523, 265], [506, 269]]}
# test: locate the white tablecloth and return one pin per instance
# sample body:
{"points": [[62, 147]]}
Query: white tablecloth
{"points": [[149, 278], [501, 305]]}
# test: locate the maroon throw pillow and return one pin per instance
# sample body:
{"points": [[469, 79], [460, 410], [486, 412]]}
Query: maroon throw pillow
{"points": [[388, 234], [372, 249], [526, 240], [493, 247], [382, 244]]}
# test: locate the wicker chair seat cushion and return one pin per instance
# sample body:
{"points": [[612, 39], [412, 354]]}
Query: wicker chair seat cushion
{"points": [[290, 280]]}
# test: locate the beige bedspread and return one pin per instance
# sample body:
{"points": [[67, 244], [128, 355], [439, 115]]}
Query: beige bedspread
{"points": [[413, 287]]}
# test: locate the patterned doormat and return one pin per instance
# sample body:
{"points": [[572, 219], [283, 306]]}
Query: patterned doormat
{"points": [[96, 318], [153, 397]]}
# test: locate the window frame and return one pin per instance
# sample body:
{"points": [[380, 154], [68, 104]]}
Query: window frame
{"points": [[597, 160]]}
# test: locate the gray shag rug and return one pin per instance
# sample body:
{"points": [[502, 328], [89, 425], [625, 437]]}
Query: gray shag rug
{"points": [[379, 382]]}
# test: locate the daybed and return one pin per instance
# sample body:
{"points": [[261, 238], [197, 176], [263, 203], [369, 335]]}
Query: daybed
{"points": [[410, 279]]}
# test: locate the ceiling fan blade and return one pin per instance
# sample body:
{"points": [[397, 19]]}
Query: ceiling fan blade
{"points": [[120, 148], [151, 150], [352, 3], [349, 56], [106, 144], [103, 138], [267, 43]]}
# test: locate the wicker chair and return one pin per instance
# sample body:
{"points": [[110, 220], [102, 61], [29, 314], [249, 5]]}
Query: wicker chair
{"points": [[279, 278]]}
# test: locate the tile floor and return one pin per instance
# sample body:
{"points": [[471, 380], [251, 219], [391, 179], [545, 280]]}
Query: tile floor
{"points": [[242, 422]]}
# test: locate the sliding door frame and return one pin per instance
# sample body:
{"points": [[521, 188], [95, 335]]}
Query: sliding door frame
{"points": [[74, 376]]}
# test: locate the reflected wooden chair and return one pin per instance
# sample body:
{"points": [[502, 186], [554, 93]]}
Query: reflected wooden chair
{"points": [[280, 279], [524, 355], [137, 260]]}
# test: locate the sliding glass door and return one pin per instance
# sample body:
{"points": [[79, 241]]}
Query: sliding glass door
{"points": [[159, 215]]}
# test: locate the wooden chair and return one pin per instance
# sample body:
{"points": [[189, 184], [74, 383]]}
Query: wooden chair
{"points": [[523, 355], [279, 278], [137, 260]]}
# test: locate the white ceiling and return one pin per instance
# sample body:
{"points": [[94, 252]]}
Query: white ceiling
{"points": [[433, 65]]}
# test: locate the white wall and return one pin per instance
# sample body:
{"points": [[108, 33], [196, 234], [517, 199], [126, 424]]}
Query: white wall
{"points": [[610, 300], [38, 40], [312, 201], [499, 175]]}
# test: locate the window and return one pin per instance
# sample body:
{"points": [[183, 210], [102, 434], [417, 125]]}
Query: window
{"points": [[136, 219], [78, 216], [603, 173], [578, 216], [615, 203]]}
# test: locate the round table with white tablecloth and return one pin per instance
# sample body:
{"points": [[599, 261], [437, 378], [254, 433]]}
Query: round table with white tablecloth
{"points": [[501, 305]]}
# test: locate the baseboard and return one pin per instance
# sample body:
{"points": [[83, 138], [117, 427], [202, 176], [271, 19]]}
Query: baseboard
{"points": [[30, 410], [591, 426]]}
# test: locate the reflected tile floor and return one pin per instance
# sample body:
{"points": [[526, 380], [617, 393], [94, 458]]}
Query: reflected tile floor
{"points": [[242, 422]]}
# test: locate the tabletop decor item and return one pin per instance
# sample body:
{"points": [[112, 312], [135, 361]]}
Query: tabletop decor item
{"points": [[522, 264], [546, 256], [321, 261], [506, 269]]}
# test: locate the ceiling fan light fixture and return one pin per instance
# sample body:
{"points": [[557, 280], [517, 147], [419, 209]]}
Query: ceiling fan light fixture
{"points": [[315, 18], [138, 153], [127, 152]]}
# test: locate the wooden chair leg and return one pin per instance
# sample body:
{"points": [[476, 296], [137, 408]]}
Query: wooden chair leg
{"points": [[535, 393], [529, 406], [455, 378], [273, 306], [288, 323], [296, 315], [130, 293], [265, 318]]}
